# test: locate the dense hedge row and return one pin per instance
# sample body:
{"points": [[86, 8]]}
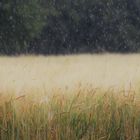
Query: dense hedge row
{"points": [[69, 26]]}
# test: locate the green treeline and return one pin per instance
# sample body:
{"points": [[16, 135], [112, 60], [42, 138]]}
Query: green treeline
{"points": [[69, 26]]}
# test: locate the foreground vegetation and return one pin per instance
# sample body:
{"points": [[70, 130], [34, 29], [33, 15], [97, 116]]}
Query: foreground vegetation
{"points": [[41, 98], [85, 114]]}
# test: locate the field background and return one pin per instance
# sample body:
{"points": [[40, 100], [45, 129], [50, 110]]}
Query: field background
{"points": [[70, 70], [81, 97], [47, 73]]}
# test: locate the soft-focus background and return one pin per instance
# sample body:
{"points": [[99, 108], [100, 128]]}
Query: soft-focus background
{"points": [[69, 26]]}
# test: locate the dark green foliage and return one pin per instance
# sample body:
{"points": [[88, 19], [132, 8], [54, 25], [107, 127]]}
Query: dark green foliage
{"points": [[20, 21], [70, 26]]}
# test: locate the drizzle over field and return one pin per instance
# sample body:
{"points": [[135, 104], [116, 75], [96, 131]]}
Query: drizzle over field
{"points": [[84, 97]]}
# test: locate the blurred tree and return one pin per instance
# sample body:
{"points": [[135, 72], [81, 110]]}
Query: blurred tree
{"points": [[69, 26], [90, 26], [20, 22]]}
